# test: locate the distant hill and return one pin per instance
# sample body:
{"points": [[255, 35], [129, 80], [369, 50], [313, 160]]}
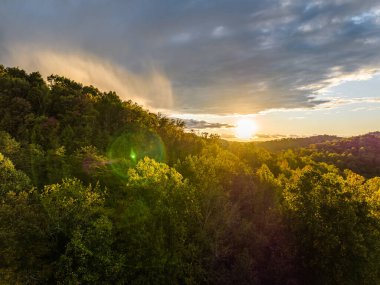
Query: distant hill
{"points": [[294, 143], [361, 153], [356, 144]]}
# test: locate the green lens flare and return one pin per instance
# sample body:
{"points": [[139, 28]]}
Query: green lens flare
{"points": [[133, 155], [131, 146]]}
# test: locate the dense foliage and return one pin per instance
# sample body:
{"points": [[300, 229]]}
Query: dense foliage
{"points": [[360, 154], [94, 190]]}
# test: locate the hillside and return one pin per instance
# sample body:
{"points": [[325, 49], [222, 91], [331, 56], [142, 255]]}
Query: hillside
{"points": [[360, 154], [295, 143]]}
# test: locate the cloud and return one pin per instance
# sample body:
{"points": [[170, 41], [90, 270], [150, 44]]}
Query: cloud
{"points": [[274, 136], [341, 101], [236, 56], [195, 124], [259, 137], [219, 32], [151, 90], [181, 38]]}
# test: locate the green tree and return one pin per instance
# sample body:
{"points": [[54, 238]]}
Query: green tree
{"points": [[21, 239], [155, 227], [337, 238], [75, 217], [12, 179]]}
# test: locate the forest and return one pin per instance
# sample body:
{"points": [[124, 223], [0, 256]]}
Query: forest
{"points": [[96, 190]]}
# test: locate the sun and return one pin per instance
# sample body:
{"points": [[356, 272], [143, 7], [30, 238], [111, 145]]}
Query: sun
{"points": [[245, 129]]}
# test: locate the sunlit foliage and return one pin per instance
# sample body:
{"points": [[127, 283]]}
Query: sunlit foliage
{"points": [[94, 190]]}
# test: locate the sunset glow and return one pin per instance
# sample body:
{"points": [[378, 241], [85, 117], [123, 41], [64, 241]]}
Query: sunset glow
{"points": [[245, 129], [215, 67]]}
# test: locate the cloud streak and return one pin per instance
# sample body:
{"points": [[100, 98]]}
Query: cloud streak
{"points": [[195, 124], [192, 56], [151, 90]]}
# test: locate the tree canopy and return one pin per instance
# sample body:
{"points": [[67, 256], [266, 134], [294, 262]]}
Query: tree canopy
{"points": [[96, 190]]}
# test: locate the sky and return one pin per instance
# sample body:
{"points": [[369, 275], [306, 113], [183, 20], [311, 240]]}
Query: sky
{"points": [[295, 67]]}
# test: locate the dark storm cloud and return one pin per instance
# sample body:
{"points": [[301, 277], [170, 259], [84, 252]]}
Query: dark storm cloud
{"points": [[231, 56]]}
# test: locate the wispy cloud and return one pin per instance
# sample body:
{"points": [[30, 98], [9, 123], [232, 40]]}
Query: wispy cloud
{"points": [[296, 118], [335, 102], [275, 136], [259, 137], [195, 124], [152, 89]]}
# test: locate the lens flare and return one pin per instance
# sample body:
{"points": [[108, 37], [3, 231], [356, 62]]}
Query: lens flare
{"points": [[132, 146]]}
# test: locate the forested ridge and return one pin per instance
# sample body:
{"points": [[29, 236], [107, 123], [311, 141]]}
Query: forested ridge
{"points": [[96, 190], [360, 154]]}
